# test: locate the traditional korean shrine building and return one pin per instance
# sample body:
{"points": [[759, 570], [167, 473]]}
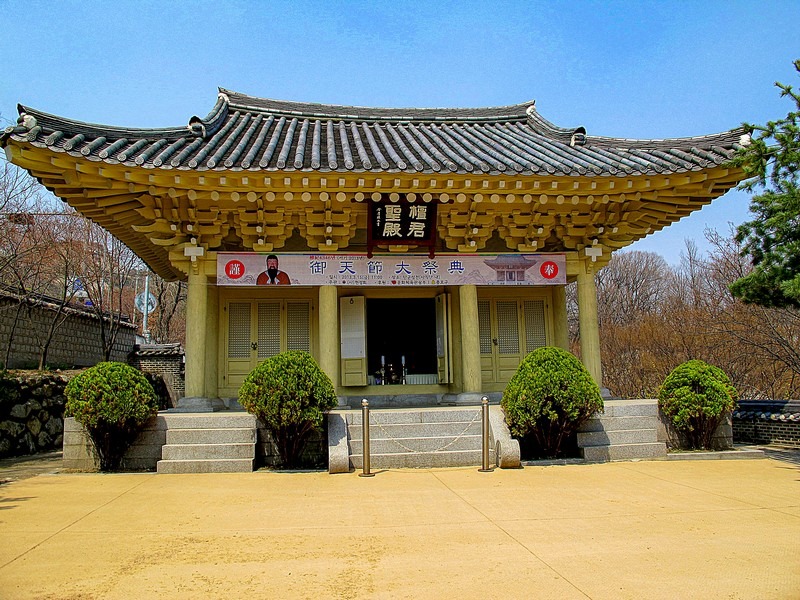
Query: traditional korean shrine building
{"points": [[424, 248]]}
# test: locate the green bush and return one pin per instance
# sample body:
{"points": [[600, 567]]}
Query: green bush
{"points": [[548, 398], [289, 393], [696, 396], [112, 401]]}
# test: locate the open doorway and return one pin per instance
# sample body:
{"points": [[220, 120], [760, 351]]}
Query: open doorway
{"points": [[401, 331]]}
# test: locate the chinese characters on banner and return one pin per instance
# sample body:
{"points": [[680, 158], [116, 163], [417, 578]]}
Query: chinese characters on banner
{"points": [[243, 269], [401, 223]]}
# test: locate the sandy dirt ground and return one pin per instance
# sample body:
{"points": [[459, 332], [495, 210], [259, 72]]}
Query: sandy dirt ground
{"points": [[689, 529]]}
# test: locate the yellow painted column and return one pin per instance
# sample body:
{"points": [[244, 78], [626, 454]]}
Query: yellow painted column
{"points": [[212, 342], [329, 332], [196, 311], [587, 315], [560, 325], [470, 338]]}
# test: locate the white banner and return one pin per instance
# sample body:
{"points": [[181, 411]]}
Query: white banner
{"points": [[255, 269]]}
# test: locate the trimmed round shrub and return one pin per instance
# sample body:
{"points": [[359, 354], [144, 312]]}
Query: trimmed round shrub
{"points": [[112, 401], [547, 400], [696, 397], [289, 393]]}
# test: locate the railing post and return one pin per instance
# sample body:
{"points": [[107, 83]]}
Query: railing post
{"points": [[365, 440], [485, 435]]}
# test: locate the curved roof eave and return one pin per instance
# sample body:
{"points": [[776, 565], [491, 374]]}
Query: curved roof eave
{"points": [[256, 134]]}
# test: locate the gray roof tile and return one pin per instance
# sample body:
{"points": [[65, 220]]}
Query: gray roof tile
{"points": [[243, 132]]}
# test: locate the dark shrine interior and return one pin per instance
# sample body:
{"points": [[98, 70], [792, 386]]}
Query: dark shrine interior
{"points": [[398, 328]]}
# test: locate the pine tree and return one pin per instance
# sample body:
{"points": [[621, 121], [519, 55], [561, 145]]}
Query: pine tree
{"points": [[772, 239]]}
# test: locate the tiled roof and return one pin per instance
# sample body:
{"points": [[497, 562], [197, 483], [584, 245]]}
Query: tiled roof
{"points": [[246, 133]]}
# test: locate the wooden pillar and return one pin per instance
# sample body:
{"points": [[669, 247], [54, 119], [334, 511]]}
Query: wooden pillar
{"points": [[470, 339], [560, 324], [587, 314], [329, 332], [196, 320], [212, 343]]}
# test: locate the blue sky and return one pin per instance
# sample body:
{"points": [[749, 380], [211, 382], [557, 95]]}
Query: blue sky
{"points": [[628, 69]]}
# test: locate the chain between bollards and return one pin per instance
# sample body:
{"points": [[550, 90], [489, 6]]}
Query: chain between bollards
{"points": [[485, 435], [365, 439]]}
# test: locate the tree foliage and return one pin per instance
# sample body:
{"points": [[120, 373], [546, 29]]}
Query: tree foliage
{"points": [[112, 401], [696, 396], [289, 393], [548, 398], [772, 238], [690, 314], [107, 272], [53, 257]]}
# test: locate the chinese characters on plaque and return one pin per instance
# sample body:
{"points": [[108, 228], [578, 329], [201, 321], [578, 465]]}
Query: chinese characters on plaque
{"points": [[401, 223]]}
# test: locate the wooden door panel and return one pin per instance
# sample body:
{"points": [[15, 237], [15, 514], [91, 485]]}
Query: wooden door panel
{"points": [[240, 343]]}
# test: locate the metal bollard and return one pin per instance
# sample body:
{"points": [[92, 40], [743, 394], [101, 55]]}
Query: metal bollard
{"points": [[365, 439], [485, 435]]}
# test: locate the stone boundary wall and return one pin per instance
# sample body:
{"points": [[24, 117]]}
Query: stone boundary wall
{"points": [[166, 360], [76, 342], [31, 413], [767, 422]]}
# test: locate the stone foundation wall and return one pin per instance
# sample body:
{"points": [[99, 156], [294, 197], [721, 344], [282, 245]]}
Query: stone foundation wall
{"points": [[723, 436], [31, 413], [76, 342], [143, 455], [315, 454]]}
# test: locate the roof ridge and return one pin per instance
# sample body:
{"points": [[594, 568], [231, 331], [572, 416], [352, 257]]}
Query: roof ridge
{"points": [[43, 117], [738, 135], [354, 112]]}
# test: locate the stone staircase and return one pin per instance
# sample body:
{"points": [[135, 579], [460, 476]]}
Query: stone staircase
{"points": [[208, 443], [626, 430], [423, 437]]}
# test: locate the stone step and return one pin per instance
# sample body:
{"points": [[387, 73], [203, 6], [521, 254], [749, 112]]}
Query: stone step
{"points": [[208, 451], [630, 408], [418, 444], [458, 458], [429, 415], [230, 465], [209, 420], [618, 423], [407, 430], [211, 436], [650, 451], [616, 437]]}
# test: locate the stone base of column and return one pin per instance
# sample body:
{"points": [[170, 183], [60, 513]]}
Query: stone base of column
{"points": [[198, 404], [465, 398]]}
